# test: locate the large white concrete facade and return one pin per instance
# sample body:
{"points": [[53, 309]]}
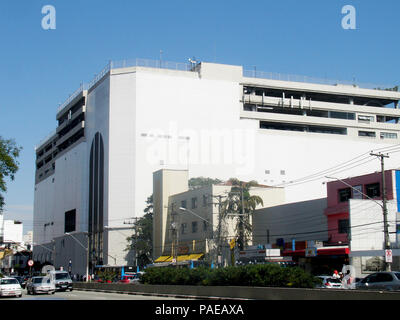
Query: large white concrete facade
{"points": [[209, 120]]}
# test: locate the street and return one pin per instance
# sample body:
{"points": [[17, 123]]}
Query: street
{"points": [[86, 295]]}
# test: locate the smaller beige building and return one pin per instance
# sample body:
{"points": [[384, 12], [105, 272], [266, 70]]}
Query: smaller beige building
{"points": [[187, 222]]}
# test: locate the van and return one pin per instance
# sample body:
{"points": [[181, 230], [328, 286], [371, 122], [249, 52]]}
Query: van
{"points": [[62, 280]]}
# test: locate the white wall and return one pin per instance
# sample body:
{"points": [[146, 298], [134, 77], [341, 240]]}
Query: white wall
{"points": [[366, 223]]}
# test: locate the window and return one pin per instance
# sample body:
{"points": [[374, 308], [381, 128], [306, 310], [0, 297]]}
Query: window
{"points": [[194, 203], [70, 221], [183, 228], [388, 135], [204, 200], [365, 119], [344, 194], [283, 172], [369, 134], [343, 226], [194, 226], [183, 204], [373, 190], [357, 192], [384, 277], [205, 225]]}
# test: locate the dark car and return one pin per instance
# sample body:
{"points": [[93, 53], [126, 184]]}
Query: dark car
{"points": [[21, 280], [380, 281]]}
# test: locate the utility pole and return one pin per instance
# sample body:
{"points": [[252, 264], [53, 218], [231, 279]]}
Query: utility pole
{"points": [[219, 228], [136, 237], [384, 205]]}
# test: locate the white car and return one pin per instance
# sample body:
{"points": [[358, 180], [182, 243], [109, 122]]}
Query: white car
{"points": [[329, 282], [10, 287]]}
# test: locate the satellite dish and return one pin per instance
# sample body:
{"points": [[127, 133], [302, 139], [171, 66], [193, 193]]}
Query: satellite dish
{"points": [[46, 269]]}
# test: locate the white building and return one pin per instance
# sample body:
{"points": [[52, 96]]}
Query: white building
{"points": [[13, 232], [95, 170], [367, 244]]}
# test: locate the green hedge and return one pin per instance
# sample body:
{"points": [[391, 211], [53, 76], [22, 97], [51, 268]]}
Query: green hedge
{"points": [[263, 275]]}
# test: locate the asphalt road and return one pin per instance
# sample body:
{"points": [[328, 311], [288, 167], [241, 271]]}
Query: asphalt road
{"points": [[86, 295]]}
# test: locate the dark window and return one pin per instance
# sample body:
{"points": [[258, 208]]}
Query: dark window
{"points": [[205, 226], [343, 226], [370, 279], [183, 204], [194, 226], [183, 228], [194, 203], [204, 200], [373, 190], [384, 277], [70, 221], [344, 194], [366, 134]]}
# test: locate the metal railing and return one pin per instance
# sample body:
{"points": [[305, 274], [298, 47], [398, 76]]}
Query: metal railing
{"points": [[156, 64], [307, 79], [52, 133]]}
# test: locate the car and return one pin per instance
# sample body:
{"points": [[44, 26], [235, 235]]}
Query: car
{"points": [[10, 287], [328, 282], [40, 284], [380, 281], [62, 280], [22, 281]]}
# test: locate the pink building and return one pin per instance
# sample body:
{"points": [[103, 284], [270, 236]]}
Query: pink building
{"points": [[339, 192]]}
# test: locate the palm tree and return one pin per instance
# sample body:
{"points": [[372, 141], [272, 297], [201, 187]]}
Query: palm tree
{"points": [[242, 204]]}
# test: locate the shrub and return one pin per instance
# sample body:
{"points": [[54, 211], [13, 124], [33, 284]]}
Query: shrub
{"points": [[263, 275]]}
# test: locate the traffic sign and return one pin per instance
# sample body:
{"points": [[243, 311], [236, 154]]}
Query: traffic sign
{"points": [[388, 256], [30, 263]]}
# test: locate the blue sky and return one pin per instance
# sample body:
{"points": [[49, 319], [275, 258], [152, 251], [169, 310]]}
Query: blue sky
{"points": [[40, 68]]}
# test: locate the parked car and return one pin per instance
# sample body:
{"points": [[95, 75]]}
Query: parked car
{"points": [[22, 281], [10, 287], [329, 283], [37, 285], [380, 281]]}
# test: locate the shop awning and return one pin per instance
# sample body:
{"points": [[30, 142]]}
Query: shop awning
{"points": [[186, 257], [163, 259], [325, 251]]}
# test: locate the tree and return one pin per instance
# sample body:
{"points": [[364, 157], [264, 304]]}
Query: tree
{"points": [[9, 152], [199, 182], [240, 202], [142, 240]]}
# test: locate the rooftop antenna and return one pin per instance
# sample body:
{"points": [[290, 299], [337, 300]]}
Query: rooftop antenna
{"points": [[161, 52]]}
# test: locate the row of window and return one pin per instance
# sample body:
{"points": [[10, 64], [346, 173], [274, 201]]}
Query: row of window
{"points": [[372, 190], [372, 134], [194, 202], [195, 227]]}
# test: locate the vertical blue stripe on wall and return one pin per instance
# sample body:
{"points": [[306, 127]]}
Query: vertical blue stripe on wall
{"points": [[398, 189]]}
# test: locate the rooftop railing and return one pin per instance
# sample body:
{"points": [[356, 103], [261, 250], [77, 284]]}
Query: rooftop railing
{"points": [[307, 79], [44, 140]]}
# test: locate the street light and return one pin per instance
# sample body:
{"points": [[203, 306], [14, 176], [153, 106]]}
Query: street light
{"points": [[87, 253], [195, 214]]}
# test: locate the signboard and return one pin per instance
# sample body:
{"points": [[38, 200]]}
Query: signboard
{"points": [[311, 252], [388, 256], [30, 263], [232, 243]]}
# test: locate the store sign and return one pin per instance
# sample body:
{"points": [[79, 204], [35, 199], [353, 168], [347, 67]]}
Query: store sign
{"points": [[311, 252]]}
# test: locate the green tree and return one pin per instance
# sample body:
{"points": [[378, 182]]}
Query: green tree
{"points": [[142, 240], [199, 182], [9, 152], [240, 202]]}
